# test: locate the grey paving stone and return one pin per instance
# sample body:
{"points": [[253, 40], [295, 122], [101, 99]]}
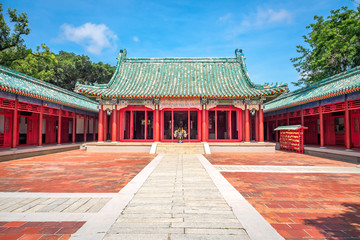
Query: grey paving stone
{"points": [[136, 236], [207, 237]]}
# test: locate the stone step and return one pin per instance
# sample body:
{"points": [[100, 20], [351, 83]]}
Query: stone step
{"points": [[184, 148]]}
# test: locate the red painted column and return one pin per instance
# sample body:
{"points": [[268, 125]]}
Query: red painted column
{"points": [[276, 132], [101, 124], [94, 129], [114, 126], [257, 132], [157, 124], [59, 128], [302, 117], [146, 125], [240, 124], [74, 128], [85, 127], [261, 124], [347, 126], [14, 135], [268, 131], [203, 121], [247, 125], [321, 127], [131, 125], [288, 118], [229, 125], [105, 126], [41, 114]]}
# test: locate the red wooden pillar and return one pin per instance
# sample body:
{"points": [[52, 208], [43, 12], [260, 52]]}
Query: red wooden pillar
{"points": [[94, 128], [203, 120], [240, 124], [321, 127], [276, 132], [85, 127], [229, 125], [261, 124], [59, 128], [14, 135], [157, 124], [247, 125], [268, 131], [257, 132], [347, 126], [302, 117], [101, 124], [114, 126], [74, 128], [41, 114], [105, 125], [288, 118]]}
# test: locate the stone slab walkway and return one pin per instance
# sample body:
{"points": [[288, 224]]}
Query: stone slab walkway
{"points": [[178, 201]]}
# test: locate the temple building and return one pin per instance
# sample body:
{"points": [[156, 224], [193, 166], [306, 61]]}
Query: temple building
{"points": [[34, 112], [329, 108], [211, 99]]}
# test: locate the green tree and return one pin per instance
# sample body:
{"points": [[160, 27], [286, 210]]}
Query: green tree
{"points": [[333, 46], [72, 68], [8, 38]]}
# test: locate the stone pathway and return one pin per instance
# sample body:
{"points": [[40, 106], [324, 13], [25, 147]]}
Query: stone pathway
{"points": [[178, 201]]}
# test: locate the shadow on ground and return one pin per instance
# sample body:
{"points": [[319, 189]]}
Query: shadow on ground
{"points": [[345, 225]]}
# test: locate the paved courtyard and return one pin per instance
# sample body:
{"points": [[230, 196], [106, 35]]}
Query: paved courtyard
{"points": [[80, 195]]}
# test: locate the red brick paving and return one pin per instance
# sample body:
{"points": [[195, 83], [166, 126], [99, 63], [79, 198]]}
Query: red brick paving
{"points": [[72, 171], [277, 158], [299, 205], [38, 230]]}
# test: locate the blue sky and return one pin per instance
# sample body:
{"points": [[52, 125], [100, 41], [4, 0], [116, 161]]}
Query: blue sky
{"points": [[267, 31]]}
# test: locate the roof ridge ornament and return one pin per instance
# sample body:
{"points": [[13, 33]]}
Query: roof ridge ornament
{"points": [[238, 53], [122, 55]]}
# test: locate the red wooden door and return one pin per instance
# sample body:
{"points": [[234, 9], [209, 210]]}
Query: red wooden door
{"points": [[32, 131], [355, 128], [50, 131], [5, 136], [311, 134]]}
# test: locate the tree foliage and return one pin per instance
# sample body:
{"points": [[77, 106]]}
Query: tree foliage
{"points": [[333, 46], [8, 38], [72, 68]]}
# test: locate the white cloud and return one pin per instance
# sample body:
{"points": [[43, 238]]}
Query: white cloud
{"points": [[94, 37], [136, 39], [267, 17], [225, 18]]}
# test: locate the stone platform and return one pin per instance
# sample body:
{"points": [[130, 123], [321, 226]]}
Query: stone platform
{"points": [[336, 153], [119, 147], [242, 147], [184, 148], [31, 151]]}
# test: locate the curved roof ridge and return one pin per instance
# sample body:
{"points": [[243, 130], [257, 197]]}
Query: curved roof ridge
{"points": [[322, 82], [180, 77], [325, 88], [42, 83]]}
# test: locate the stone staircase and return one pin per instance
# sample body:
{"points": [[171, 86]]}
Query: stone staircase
{"points": [[180, 148]]}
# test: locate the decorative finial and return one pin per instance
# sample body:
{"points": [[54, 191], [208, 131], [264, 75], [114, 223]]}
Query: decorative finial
{"points": [[122, 55], [238, 53]]}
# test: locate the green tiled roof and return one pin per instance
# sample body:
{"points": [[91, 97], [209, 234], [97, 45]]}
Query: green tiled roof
{"points": [[290, 127], [224, 77], [345, 82], [18, 83]]}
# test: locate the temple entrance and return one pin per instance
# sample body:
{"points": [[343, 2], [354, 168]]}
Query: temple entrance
{"points": [[224, 124], [188, 120], [137, 124]]}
